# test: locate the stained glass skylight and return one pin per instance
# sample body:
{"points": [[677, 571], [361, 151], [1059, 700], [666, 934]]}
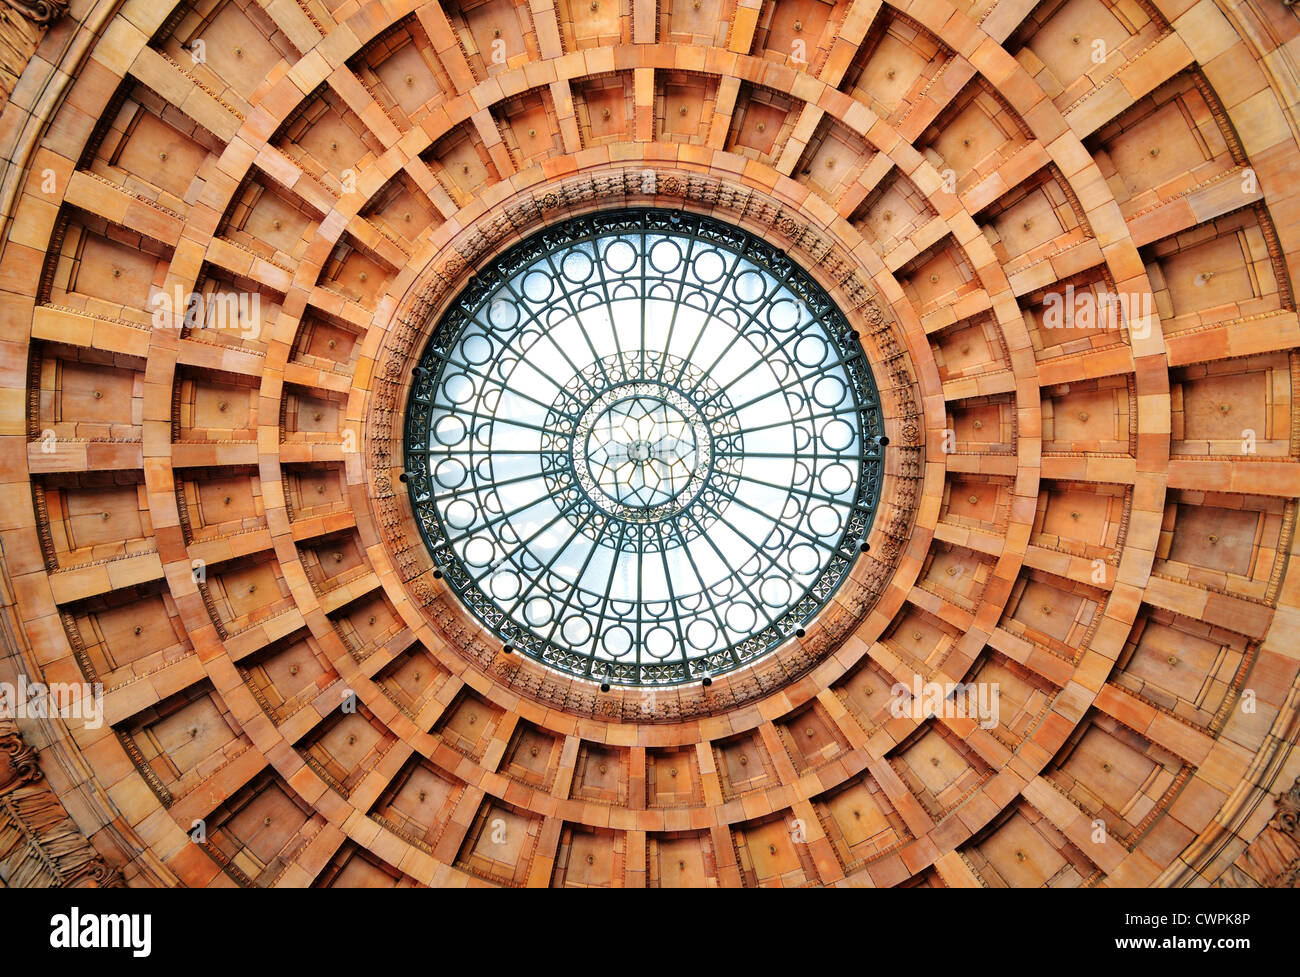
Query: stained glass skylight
{"points": [[644, 447]]}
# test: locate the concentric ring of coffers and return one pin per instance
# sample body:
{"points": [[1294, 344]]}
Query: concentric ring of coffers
{"points": [[644, 447]]}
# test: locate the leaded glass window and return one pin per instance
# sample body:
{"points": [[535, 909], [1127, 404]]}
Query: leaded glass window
{"points": [[644, 447]]}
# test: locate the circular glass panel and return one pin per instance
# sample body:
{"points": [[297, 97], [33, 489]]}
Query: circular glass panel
{"points": [[642, 447]]}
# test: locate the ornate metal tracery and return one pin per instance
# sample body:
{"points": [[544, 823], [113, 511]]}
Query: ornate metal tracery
{"points": [[644, 447]]}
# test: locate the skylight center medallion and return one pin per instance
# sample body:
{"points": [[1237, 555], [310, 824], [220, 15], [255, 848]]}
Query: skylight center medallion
{"points": [[642, 451]]}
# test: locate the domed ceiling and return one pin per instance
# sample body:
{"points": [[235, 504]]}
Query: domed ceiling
{"points": [[305, 302]]}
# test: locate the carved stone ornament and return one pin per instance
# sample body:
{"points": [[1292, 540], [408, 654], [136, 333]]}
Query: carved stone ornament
{"points": [[1273, 859], [18, 761], [43, 12], [22, 25], [40, 845]]}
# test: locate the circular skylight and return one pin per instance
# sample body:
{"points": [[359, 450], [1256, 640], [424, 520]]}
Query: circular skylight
{"points": [[643, 447]]}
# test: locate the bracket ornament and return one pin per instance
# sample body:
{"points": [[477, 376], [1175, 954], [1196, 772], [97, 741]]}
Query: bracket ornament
{"points": [[18, 761], [22, 25]]}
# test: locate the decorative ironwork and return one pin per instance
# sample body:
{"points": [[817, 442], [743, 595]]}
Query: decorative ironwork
{"points": [[644, 447]]}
